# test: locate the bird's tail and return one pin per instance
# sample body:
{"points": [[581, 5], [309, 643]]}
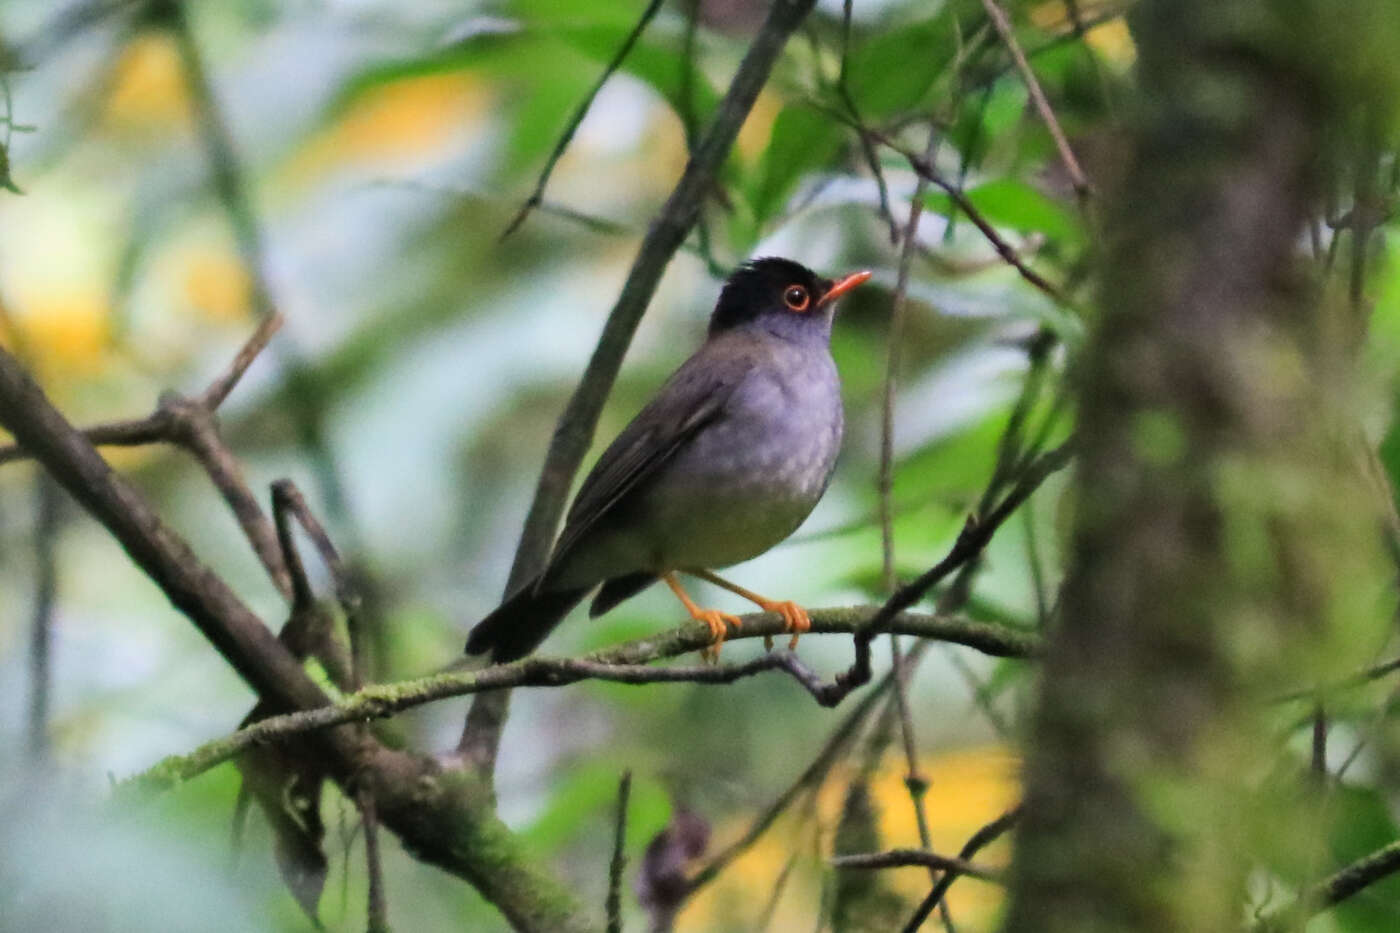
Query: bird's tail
{"points": [[517, 626]]}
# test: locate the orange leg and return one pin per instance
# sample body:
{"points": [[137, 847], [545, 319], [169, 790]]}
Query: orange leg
{"points": [[795, 618], [715, 619]]}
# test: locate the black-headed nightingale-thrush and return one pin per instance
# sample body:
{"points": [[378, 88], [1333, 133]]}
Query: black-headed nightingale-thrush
{"points": [[726, 461]]}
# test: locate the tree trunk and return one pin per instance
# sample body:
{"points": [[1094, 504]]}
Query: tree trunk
{"points": [[1225, 548]]}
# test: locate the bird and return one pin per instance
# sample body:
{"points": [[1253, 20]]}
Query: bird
{"points": [[728, 458]]}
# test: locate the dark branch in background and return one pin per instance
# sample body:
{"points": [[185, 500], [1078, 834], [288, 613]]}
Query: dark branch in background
{"points": [[46, 523], [1042, 105], [619, 855], [905, 858], [576, 120], [239, 635], [627, 664], [574, 432], [190, 424], [377, 912], [979, 841]]}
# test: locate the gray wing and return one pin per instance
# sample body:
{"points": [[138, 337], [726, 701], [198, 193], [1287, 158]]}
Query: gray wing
{"points": [[691, 399]]}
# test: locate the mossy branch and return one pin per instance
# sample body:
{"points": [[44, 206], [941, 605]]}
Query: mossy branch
{"points": [[627, 663]]}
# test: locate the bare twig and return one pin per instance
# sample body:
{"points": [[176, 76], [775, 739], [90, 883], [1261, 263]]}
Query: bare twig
{"points": [[190, 424], [619, 855], [904, 858], [1003, 249], [576, 120], [1042, 105], [980, 840], [574, 432]]}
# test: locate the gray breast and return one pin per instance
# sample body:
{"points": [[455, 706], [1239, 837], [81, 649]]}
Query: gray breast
{"points": [[747, 481]]}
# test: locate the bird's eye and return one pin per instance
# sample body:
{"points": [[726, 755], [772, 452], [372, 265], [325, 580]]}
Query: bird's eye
{"points": [[796, 298]]}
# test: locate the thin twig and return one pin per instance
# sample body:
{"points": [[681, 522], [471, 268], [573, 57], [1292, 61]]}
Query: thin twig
{"points": [[872, 159], [574, 431], [619, 855], [576, 120], [1042, 105], [905, 858], [980, 840], [1003, 249]]}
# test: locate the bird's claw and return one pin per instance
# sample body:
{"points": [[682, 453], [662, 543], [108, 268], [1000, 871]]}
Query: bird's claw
{"points": [[795, 620], [718, 623]]}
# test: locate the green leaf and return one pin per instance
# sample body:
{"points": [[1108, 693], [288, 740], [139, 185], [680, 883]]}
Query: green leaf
{"points": [[655, 61], [802, 140], [1362, 825], [1012, 203], [893, 70]]}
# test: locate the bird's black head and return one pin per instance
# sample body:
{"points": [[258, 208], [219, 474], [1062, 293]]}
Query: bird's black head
{"points": [[780, 294]]}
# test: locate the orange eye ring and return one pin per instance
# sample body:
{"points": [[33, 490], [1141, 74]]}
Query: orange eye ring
{"points": [[796, 298]]}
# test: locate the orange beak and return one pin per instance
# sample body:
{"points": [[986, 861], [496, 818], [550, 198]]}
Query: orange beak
{"points": [[844, 285]]}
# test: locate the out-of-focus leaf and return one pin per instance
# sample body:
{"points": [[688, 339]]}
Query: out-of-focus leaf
{"points": [[286, 782], [1009, 202], [1361, 824], [558, 64], [892, 71], [656, 62], [587, 796], [802, 141]]}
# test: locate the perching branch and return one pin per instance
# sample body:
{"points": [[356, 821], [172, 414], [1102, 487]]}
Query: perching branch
{"points": [[627, 664]]}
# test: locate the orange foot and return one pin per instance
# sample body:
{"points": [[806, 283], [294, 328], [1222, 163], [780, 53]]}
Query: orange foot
{"points": [[795, 620], [716, 620]]}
